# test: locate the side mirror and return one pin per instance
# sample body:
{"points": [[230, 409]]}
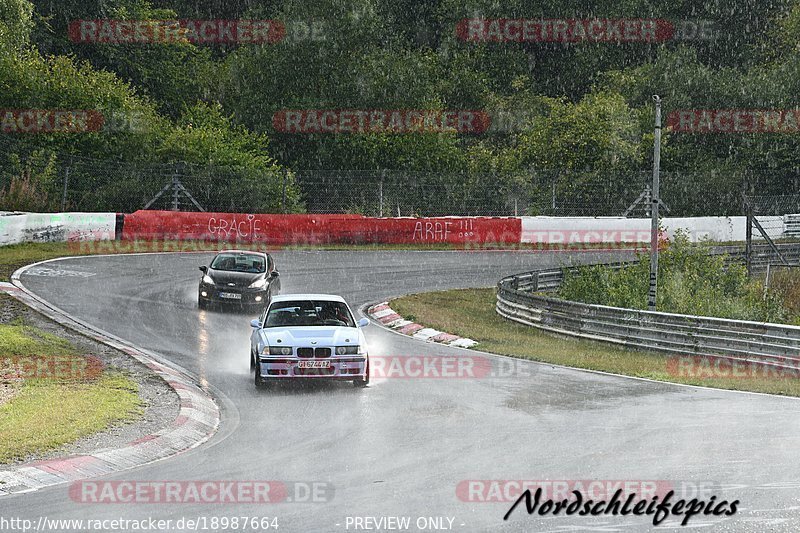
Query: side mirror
{"points": [[363, 322], [255, 323], [203, 269], [274, 274]]}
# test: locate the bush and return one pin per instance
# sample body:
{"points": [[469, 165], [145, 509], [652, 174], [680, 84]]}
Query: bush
{"points": [[784, 285], [690, 281], [29, 184]]}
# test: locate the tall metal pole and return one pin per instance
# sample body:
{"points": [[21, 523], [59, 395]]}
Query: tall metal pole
{"points": [[283, 190], [176, 191], [748, 216], [654, 201], [380, 193], [64, 192]]}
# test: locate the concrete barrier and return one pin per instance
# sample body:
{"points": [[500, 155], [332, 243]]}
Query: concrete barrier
{"points": [[319, 229], [614, 230], [357, 229], [56, 227]]}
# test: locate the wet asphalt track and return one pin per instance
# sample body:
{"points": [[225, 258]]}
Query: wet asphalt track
{"points": [[401, 447]]}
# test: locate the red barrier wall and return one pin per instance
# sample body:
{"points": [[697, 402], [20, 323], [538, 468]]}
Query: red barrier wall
{"points": [[319, 229]]}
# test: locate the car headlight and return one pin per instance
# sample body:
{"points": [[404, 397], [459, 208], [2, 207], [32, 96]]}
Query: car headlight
{"points": [[259, 283], [346, 350], [280, 350], [207, 280]]}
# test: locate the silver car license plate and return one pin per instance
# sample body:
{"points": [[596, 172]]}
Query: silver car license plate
{"points": [[314, 364], [231, 295]]}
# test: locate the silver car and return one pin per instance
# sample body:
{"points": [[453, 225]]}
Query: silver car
{"points": [[309, 336]]}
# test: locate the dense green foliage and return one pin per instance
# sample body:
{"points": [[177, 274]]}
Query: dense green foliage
{"points": [[784, 284], [690, 281], [586, 134]]}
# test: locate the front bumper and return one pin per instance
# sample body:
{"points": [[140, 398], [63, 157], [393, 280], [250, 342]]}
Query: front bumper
{"points": [[346, 367], [246, 296]]}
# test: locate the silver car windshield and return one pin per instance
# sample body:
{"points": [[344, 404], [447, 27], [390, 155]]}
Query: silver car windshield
{"points": [[309, 313]]}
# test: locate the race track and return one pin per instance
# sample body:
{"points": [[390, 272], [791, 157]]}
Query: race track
{"points": [[401, 447]]}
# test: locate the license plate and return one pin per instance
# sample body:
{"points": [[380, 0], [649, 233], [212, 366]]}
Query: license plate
{"points": [[314, 364], [231, 295]]}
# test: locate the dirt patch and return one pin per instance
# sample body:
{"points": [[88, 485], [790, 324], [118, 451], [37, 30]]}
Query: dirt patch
{"points": [[7, 391], [9, 386]]}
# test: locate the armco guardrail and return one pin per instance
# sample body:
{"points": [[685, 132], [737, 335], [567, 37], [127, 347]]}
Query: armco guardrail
{"points": [[769, 344], [762, 255], [791, 225]]}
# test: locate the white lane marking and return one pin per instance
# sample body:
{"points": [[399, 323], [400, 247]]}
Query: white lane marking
{"points": [[780, 485], [57, 272]]}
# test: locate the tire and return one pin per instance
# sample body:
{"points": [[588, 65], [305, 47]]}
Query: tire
{"points": [[252, 361], [258, 381], [202, 304], [362, 383]]}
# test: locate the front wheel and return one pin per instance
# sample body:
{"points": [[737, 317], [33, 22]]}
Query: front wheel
{"points": [[258, 381], [252, 361], [202, 304]]}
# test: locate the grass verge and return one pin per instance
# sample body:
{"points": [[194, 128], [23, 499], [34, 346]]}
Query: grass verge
{"points": [[58, 397], [470, 313]]}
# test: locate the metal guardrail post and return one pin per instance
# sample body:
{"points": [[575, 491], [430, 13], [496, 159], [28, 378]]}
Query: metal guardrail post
{"points": [[283, 190]]}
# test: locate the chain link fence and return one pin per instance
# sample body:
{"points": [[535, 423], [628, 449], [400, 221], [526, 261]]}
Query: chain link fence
{"points": [[774, 214], [85, 184], [770, 218], [536, 192]]}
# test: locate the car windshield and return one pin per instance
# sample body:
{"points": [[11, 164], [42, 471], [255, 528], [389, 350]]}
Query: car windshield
{"points": [[309, 313], [250, 263]]}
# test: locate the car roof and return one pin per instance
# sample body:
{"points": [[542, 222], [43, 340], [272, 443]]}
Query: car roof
{"points": [[318, 297]]}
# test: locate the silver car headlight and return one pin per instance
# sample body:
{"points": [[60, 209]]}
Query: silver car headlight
{"points": [[207, 279], [280, 350], [347, 350], [259, 283]]}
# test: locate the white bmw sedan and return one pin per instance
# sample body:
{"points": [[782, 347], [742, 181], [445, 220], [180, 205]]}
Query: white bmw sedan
{"points": [[312, 336]]}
